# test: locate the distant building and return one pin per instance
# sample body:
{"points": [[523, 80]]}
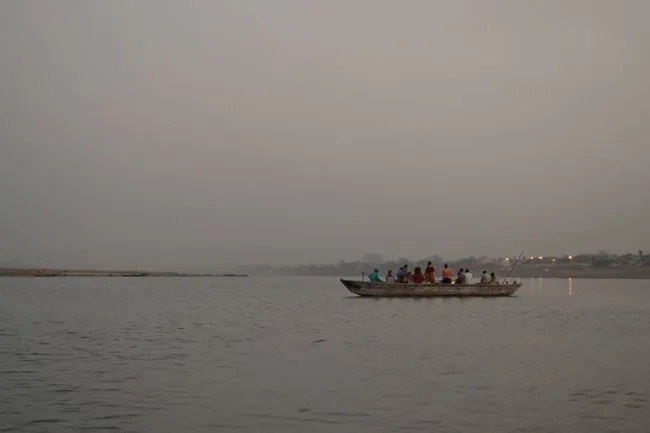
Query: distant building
{"points": [[372, 258]]}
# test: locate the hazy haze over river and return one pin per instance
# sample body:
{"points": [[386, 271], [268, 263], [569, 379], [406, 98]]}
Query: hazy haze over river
{"points": [[194, 135]]}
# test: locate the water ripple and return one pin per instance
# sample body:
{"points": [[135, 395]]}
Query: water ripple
{"points": [[298, 354]]}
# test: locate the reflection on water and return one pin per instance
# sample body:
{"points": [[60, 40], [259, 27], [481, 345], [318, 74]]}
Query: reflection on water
{"points": [[295, 355], [570, 286]]}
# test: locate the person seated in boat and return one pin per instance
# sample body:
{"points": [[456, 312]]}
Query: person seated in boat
{"points": [[400, 275], [468, 276], [374, 276], [460, 277], [389, 277], [493, 279], [418, 276], [406, 276], [430, 273], [485, 278], [446, 274]]}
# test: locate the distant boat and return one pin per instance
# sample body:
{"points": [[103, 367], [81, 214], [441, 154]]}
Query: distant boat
{"points": [[411, 290]]}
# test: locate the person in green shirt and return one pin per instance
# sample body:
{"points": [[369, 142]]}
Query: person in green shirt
{"points": [[374, 276]]}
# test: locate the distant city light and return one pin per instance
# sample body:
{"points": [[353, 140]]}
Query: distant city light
{"points": [[532, 258], [507, 259], [540, 257], [570, 257], [553, 259]]}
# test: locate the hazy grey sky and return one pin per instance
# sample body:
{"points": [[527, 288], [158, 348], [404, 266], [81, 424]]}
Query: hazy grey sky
{"points": [[205, 133]]}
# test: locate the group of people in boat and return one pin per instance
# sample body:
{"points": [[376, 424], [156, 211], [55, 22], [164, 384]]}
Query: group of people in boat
{"points": [[404, 275]]}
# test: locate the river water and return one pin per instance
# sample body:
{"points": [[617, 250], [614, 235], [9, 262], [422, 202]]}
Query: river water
{"points": [[300, 355]]}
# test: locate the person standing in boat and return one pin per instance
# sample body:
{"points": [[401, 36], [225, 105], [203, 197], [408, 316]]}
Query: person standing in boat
{"points": [[485, 278], [374, 276], [446, 274], [430, 273], [493, 279], [389, 277]]}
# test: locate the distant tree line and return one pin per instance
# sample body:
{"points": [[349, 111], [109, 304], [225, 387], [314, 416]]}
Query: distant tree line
{"points": [[352, 268]]}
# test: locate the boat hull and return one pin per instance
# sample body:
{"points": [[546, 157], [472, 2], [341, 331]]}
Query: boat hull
{"points": [[401, 290]]}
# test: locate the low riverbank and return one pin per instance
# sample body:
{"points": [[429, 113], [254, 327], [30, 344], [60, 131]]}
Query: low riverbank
{"points": [[628, 273], [29, 272]]}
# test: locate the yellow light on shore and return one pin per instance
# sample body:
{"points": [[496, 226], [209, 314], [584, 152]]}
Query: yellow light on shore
{"points": [[507, 259], [540, 257], [570, 257]]}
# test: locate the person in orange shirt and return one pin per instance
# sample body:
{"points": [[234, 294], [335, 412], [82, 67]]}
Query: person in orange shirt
{"points": [[446, 274]]}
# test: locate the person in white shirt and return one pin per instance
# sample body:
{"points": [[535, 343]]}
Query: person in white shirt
{"points": [[468, 277]]}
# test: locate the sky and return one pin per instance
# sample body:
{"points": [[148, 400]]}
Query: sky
{"points": [[202, 134]]}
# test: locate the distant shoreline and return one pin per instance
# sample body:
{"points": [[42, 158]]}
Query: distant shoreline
{"points": [[43, 273], [617, 274]]}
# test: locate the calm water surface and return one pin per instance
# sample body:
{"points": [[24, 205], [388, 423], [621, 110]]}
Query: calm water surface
{"points": [[300, 355]]}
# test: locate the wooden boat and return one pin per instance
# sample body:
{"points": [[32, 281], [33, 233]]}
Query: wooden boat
{"points": [[409, 290]]}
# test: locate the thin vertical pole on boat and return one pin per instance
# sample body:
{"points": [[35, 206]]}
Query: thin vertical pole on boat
{"points": [[513, 266], [363, 274]]}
